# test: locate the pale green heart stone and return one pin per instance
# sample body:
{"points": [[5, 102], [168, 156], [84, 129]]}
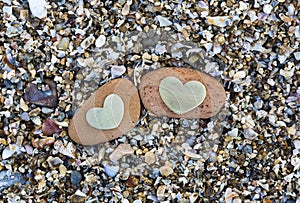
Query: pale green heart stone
{"points": [[108, 117], [181, 98]]}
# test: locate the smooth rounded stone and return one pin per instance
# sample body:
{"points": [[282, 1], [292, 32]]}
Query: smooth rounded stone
{"points": [[63, 44], [24, 116], [117, 71], [100, 41], [111, 171], [76, 177], [150, 96], [166, 170], [46, 110], [150, 157], [82, 133]]}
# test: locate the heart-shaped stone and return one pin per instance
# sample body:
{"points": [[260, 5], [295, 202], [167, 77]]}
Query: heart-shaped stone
{"points": [[82, 132], [181, 98], [108, 117]]}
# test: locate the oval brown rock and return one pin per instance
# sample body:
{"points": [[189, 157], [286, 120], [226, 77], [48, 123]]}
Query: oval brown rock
{"points": [[82, 133], [150, 96]]}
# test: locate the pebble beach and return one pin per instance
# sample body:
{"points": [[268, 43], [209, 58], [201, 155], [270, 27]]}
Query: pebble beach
{"points": [[55, 54]]}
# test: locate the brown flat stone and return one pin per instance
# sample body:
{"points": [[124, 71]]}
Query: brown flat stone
{"points": [[149, 93], [82, 133]]}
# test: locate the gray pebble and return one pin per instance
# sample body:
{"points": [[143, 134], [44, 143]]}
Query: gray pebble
{"points": [[25, 116], [247, 149], [76, 177], [8, 179]]}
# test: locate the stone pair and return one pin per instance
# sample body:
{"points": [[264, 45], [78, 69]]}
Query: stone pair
{"points": [[114, 109]]}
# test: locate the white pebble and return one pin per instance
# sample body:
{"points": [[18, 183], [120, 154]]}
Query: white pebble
{"points": [[239, 75], [163, 22], [117, 71], [297, 144], [111, 171], [54, 161], [126, 9], [267, 8], [289, 177], [10, 151], [287, 73], [297, 56], [233, 132], [80, 194], [160, 49], [100, 41], [38, 8]]}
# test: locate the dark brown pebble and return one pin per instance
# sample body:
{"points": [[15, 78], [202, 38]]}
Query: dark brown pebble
{"points": [[42, 98]]}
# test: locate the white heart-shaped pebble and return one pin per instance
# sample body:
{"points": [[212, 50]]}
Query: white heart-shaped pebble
{"points": [[108, 117], [181, 98]]}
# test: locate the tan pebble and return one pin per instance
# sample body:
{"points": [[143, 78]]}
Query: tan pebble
{"points": [[82, 133], [150, 96], [292, 130], [23, 105], [62, 170], [63, 44], [150, 157], [154, 57], [146, 56], [3, 141], [220, 21], [166, 170], [161, 192], [120, 151]]}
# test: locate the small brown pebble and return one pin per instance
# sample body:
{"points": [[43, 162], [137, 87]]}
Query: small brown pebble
{"points": [[82, 133], [149, 93], [49, 127]]}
